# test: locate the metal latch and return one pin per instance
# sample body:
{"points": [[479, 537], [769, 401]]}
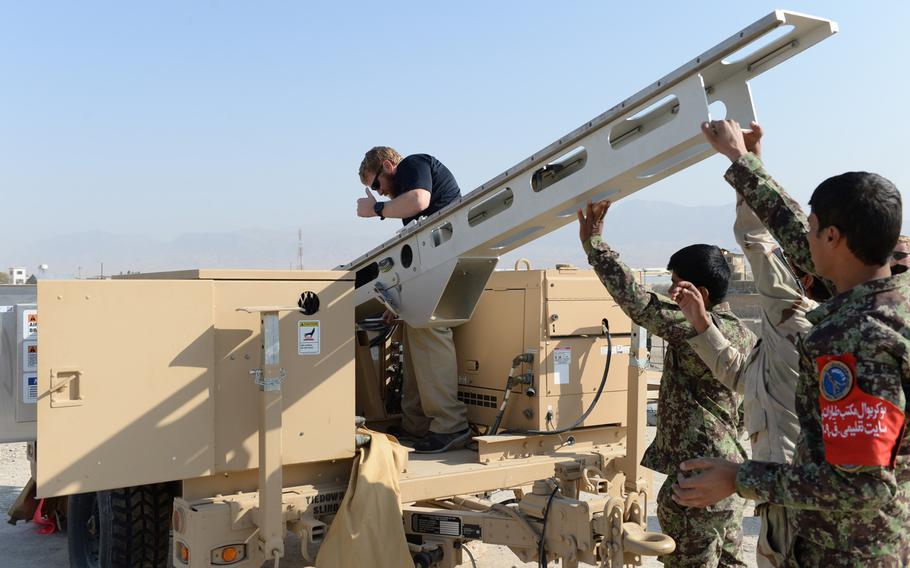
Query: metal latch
{"points": [[66, 388]]}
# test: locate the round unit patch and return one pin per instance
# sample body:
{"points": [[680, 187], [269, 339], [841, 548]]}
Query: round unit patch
{"points": [[836, 380]]}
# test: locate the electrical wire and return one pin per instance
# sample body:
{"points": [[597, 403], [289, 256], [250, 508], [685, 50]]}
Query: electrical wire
{"points": [[379, 325], [471, 556], [542, 544], [374, 323], [603, 382], [383, 335]]}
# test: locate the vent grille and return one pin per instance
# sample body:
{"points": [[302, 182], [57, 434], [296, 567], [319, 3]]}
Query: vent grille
{"points": [[474, 399]]}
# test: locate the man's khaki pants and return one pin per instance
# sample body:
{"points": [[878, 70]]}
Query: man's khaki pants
{"points": [[775, 536], [429, 400]]}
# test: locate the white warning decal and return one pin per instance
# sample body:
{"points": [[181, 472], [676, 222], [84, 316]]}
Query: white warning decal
{"points": [[308, 337], [29, 324], [562, 360], [29, 356], [29, 388]]}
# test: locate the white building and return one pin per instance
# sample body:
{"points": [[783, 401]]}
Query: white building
{"points": [[17, 275]]}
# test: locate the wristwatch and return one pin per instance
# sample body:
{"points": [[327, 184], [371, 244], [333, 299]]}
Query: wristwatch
{"points": [[377, 208]]}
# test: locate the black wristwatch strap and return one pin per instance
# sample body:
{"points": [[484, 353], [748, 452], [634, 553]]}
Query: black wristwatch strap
{"points": [[377, 208]]}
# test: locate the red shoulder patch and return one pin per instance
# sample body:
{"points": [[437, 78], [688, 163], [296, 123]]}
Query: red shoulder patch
{"points": [[858, 428]]}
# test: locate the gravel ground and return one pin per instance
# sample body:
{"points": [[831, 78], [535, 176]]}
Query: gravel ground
{"points": [[22, 547]]}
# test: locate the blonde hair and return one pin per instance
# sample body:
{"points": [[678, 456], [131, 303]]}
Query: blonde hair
{"points": [[903, 240], [372, 161]]}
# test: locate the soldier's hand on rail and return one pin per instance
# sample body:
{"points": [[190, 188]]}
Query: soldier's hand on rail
{"points": [[389, 316], [752, 138], [590, 219], [726, 137], [692, 303], [715, 480], [365, 205]]}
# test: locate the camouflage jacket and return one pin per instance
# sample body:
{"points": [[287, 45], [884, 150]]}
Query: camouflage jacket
{"points": [[780, 213], [850, 479], [696, 415]]}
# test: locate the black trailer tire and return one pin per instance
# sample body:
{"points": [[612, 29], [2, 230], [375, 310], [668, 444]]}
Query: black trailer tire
{"points": [[132, 527], [83, 522]]}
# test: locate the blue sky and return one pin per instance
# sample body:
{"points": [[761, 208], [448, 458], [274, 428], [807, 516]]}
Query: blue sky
{"points": [[161, 118]]}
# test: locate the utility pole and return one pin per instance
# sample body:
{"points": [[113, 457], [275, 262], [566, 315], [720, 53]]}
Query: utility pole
{"points": [[299, 249]]}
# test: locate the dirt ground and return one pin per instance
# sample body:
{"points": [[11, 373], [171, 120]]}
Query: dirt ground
{"points": [[22, 547]]}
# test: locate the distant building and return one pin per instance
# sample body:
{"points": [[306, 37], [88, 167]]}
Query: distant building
{"points": [[17, 275], [738, 266]]}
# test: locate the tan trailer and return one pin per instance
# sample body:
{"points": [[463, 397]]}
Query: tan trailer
{"points": [[200, 416], [263, 453]]}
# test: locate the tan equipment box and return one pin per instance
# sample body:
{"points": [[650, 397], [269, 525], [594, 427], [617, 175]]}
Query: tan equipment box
{"points": [[555, 314], [148, 380]]}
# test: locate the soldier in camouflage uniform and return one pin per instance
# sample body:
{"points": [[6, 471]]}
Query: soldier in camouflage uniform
{"points": [[768, 376], [696, 415], [900, 256], [848, 488]]}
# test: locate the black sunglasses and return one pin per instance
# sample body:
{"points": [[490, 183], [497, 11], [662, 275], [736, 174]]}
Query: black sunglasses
{"points": [[375, 185]]}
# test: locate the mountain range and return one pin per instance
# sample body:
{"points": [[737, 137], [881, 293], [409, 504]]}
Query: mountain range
{"points": [[645, 233]]}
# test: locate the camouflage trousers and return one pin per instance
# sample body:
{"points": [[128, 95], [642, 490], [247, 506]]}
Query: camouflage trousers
{"points": [[704, 537]]}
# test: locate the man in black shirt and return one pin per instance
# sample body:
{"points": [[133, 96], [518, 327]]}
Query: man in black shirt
{"points": [[416, 186]]}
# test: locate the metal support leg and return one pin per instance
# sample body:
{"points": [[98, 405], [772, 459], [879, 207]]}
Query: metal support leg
{"points": [[268, 379], [636, 412]]}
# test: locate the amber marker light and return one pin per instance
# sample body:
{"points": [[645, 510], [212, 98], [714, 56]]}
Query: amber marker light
{"points": [[177, 520], [183, 552], [228, 554]]}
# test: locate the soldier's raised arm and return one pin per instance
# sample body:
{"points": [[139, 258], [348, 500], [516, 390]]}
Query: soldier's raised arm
{"points": [[780, 213], [656, 313]]}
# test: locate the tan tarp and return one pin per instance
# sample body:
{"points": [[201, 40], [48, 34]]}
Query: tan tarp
{"points": [[367, 530]]}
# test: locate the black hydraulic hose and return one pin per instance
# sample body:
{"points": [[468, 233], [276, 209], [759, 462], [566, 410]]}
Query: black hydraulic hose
{"points": [[510, 383], [383, 336], [603, 382], [378, 325], [502, 407], [542, 544]]}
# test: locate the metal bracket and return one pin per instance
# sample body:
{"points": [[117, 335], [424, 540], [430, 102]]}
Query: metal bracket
{"points": [[388, 296], [269, 384]]}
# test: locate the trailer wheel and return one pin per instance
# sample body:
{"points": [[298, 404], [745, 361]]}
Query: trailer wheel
{"points": [[83, 527], [121, 528]]}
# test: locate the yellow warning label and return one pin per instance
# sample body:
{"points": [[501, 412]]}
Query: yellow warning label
{"points": [[308, 337]]}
